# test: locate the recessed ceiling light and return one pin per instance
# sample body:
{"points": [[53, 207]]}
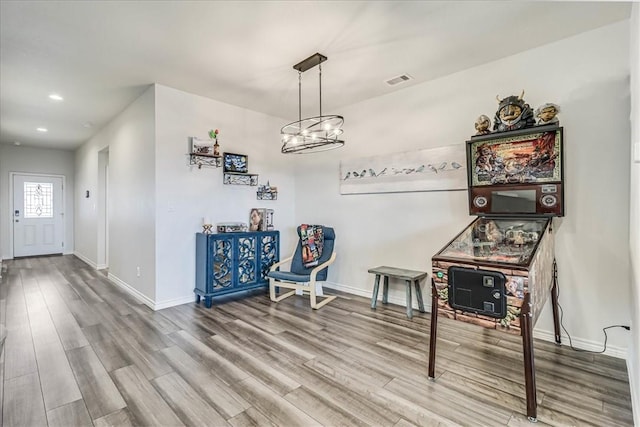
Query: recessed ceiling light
{"points": [[42, 129], [56, 97]]}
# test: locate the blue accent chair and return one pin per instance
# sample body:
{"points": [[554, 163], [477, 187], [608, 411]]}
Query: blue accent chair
{"points": [[300, 277]]}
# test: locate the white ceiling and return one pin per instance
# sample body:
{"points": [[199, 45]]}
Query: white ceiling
{"points": [[101, 55]]}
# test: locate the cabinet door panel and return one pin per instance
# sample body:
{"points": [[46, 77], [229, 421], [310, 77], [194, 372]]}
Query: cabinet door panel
{"points": [[222, 264], [247, 262], [268, 254]]}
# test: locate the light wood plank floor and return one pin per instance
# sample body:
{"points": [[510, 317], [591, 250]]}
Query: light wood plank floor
{"points": [[79, 351]]}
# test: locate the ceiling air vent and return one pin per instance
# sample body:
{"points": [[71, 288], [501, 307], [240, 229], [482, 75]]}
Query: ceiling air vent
{"points": [[400, 79]]}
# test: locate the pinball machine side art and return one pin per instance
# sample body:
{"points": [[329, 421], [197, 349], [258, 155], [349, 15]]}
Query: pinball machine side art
{"points": [[541, 276]]}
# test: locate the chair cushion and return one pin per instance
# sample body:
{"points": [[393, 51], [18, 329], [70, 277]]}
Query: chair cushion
{"points": [[291, 277]]}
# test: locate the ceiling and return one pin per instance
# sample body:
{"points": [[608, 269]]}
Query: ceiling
{"points": [[101, 55]]}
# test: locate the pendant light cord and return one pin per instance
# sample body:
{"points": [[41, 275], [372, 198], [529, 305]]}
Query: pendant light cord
{"points": [[320, 79], [299, 96]]}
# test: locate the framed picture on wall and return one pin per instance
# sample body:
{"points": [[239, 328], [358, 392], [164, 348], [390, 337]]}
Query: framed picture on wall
{"points": [[203, 147], [237, 163]]}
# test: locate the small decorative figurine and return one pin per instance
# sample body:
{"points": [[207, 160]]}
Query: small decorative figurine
{"points": [[483, 123], [206, 226], [547, 114], [213, 134], [269, 219], [513, 113]]}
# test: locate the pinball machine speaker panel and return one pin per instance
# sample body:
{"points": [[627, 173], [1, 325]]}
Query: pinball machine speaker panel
{"points": [[478, 291]]}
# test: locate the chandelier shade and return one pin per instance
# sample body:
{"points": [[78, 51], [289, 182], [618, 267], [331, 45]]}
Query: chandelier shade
{"points": [[312, 134]]}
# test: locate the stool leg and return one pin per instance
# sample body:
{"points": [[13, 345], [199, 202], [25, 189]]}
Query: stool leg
{"points": [[419, 296], [409, 308], [385, 290], [374, 297]]}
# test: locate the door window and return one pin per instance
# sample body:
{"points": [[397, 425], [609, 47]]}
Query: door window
{"points": [[38, 200]]}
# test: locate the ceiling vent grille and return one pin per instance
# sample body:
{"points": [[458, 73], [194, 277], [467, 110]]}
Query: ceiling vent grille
{"points": [[400, 79]]}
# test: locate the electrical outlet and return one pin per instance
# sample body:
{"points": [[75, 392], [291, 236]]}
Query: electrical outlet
{"points": [[138, 271]]}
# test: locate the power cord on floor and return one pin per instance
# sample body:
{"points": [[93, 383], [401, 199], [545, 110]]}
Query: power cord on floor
{"points": [[604, 330]]}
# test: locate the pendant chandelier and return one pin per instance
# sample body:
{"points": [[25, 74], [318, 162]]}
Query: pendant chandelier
{"points": [[313, 134]]}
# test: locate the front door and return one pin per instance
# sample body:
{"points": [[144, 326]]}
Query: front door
{"points": [[38, 215]]}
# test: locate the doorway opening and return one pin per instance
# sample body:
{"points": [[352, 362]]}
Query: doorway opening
{"points": [[103, 210]]}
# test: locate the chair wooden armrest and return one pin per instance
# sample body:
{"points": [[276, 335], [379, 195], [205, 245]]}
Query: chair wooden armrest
{"points": [[275, 266], [318, 268]]}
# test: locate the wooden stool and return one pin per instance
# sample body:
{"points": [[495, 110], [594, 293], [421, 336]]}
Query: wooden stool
{"points": [[409, 276]]}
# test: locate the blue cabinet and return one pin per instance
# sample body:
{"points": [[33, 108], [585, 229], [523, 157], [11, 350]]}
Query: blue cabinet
{"points": [[233, 262]]}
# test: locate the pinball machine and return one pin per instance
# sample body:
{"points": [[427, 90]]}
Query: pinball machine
{"points": [[500, 270]]}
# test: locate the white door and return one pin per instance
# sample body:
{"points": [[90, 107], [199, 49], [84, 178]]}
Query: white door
{"points": [[38, 215]]}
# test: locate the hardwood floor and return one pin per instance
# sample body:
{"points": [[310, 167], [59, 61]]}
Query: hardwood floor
{"points": [[79, 351]]}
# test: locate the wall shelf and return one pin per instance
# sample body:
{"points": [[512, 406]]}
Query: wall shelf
{"points": [[266, 195], [240, 178], [208, 160]]}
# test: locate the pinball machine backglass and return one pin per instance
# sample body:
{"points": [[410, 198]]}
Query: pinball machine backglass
{"points": [[520, 173]]}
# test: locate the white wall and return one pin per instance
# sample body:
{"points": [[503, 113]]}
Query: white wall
{"points": [[587, 76], [34, 160], [130, 138], [634, 220], [186, 194]]}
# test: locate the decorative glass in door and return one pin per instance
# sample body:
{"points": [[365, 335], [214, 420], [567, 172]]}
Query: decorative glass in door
{"points": [[222, 261], [247, 260], [38, 200], [268, 254]]}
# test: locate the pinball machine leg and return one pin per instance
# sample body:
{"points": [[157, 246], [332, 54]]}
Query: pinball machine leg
{"points": [[554, 304], [529, 368], [434, 329]]}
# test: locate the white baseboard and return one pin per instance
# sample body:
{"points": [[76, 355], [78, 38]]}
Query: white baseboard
{"points": [[612, 350], [86, 260], [153, 305], [133, 291], [175, 301], [393, 299], [583, 344]]}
